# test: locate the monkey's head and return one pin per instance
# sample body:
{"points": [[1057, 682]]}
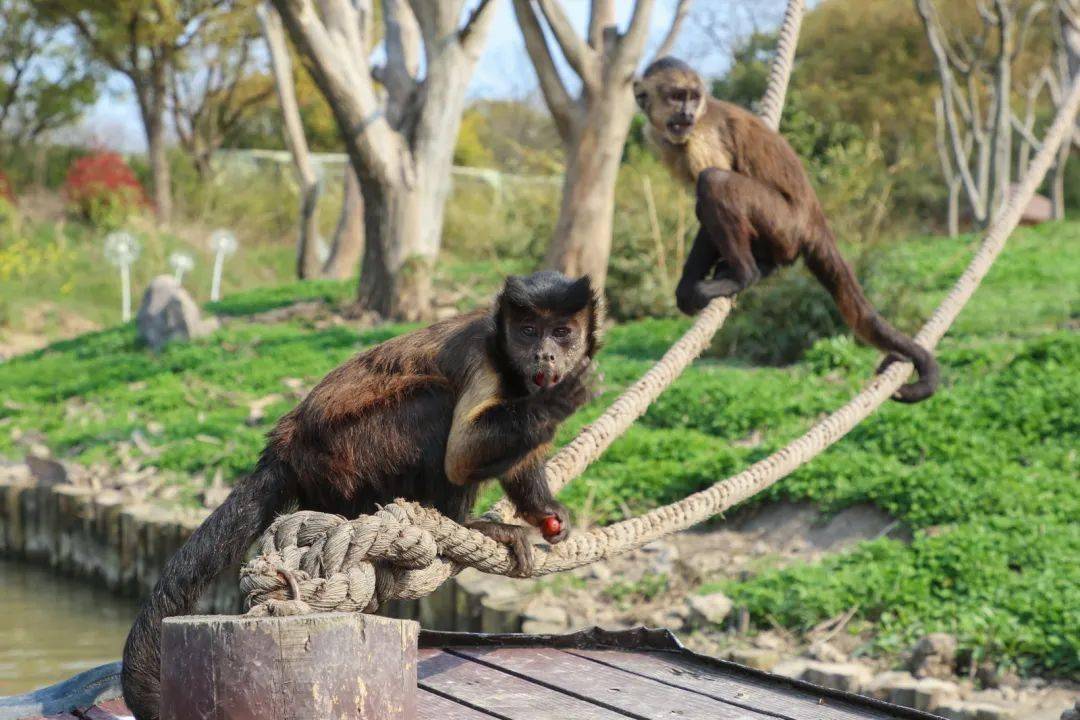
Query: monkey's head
{"points": [[547, 326], [672, 96]]}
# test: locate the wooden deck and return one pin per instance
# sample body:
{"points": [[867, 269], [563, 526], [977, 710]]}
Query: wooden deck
{"points": [[597, 675]]}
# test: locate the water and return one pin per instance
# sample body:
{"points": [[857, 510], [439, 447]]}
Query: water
{"points": [[52, 627]]}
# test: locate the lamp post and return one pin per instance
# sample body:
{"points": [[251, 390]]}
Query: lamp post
{"points": [[180, 262], [121, 250], [223, 243]]}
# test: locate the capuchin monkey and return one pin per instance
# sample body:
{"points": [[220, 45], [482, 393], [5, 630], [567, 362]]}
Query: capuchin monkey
{"points": [[426, 416], [757, 210]]}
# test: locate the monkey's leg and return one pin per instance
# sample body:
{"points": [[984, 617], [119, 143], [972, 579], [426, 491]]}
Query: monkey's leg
{"points": [[721, 211], [699, 265], [738, 213]]}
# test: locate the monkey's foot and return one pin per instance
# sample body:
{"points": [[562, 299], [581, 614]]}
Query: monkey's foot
{"points": [[515, 537], [712, 289]]}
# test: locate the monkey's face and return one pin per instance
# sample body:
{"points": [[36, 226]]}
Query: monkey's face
{"points": [[546, 347], [673, 101]]}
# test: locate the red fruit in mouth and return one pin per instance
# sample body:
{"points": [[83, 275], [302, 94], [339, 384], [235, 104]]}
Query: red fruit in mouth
{"points": [[538, 379], [555, 379], [550, 526]]}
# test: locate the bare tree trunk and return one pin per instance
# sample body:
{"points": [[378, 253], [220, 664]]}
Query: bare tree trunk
{"points": [[1001, 141], [954, 207], [152, 109], [1057, 183], [393, 284], [593, 125], [307, 250], [348, 243], [581, 244], [402, 148]]}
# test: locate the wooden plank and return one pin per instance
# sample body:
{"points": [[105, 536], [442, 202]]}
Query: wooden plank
{"points": [[776, 698], [611, 687], [430, 706], [484, 688]]}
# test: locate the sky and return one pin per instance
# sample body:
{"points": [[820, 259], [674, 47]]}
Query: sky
{"points": [[504, 70]]}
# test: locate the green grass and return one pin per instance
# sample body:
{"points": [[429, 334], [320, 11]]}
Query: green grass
{"points": [[984, 474]]}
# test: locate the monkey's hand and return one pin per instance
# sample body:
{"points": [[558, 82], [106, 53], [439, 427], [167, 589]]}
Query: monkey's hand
{"points": [[515, 537], [558, 402], [552, 508]]}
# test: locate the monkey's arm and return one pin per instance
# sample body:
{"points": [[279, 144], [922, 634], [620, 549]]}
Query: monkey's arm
{"points": [[489, 441], [490, 434], [527, 488]]}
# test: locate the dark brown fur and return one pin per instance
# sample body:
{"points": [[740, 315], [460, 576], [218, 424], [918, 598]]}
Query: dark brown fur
{"points": [[426, 416], [757, 210]]}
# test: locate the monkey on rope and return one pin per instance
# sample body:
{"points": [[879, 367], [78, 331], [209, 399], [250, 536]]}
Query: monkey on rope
{"points": [[425, 416], [757, 210]]}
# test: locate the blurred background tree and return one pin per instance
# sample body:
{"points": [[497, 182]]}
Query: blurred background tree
{"points": [[44, 84]]}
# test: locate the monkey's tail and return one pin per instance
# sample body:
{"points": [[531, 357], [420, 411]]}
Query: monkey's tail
{"points": [[218, 543], [824, 260]]}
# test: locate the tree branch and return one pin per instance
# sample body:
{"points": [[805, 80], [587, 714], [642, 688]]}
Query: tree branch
{"points": [[601, 16], [577, 53], [681, 11], [472, 34], [632, 43], [554, 91]]}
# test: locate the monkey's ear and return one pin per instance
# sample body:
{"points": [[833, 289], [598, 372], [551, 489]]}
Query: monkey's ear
{"points": [[580, 293], [640, 95]]}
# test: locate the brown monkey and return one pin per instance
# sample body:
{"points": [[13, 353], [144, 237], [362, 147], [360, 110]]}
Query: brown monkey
{"points": [[757, 209], [424, 416]]}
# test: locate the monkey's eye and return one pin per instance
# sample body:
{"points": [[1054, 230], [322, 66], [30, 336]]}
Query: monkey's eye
{"points": [[528, 331], [561, 332]]}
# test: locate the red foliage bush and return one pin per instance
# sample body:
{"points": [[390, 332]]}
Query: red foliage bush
{"points": [[102, 188], [6, 191]]}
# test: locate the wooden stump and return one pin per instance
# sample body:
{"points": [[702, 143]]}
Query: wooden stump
{"points": [[329, 666]]}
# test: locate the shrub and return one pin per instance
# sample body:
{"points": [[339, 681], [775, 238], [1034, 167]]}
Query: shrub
{"points": [[102, 189], [9, 214], [6, 191]]}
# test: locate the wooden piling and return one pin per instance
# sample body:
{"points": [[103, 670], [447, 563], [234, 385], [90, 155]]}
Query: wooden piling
{"points": [[330, 665]]}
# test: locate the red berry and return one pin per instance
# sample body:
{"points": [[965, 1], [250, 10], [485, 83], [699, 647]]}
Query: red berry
{"points": [[551, 526]]}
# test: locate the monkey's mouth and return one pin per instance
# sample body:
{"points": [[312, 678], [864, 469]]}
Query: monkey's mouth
{"points": [[680, 126], [546, 379]]}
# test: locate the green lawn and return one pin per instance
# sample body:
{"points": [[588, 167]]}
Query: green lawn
{"points": [[985, 473]]}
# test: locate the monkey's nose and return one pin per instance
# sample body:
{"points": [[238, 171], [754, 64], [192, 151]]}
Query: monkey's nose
{"points": [[545, 357]]}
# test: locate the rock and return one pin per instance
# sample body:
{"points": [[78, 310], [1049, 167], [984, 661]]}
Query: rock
{"points": [[931, 692], [848, 677], [168, 313], [1038, 210], [669, 619], [768, 640], [901, 688], [826, 653], [661, 556], [888, 683], [46, 471], [540, 611], [793, 668], [755, 657], [953, 710], [988, 711], [933, 656], [709, 609], [597, 571], [1072, 713]]}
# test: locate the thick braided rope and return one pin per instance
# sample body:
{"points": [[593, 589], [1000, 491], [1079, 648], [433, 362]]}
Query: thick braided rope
{"points": [[594, 439], [326, 558]]}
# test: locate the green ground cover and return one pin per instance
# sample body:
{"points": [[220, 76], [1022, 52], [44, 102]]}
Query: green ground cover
{"points": [[984, 474]]}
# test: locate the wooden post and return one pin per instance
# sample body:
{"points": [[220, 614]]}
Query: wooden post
{"points": [[330, 666]]}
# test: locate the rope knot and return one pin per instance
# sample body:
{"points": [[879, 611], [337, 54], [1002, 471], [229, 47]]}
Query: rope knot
{"points": [[312, 562]]}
